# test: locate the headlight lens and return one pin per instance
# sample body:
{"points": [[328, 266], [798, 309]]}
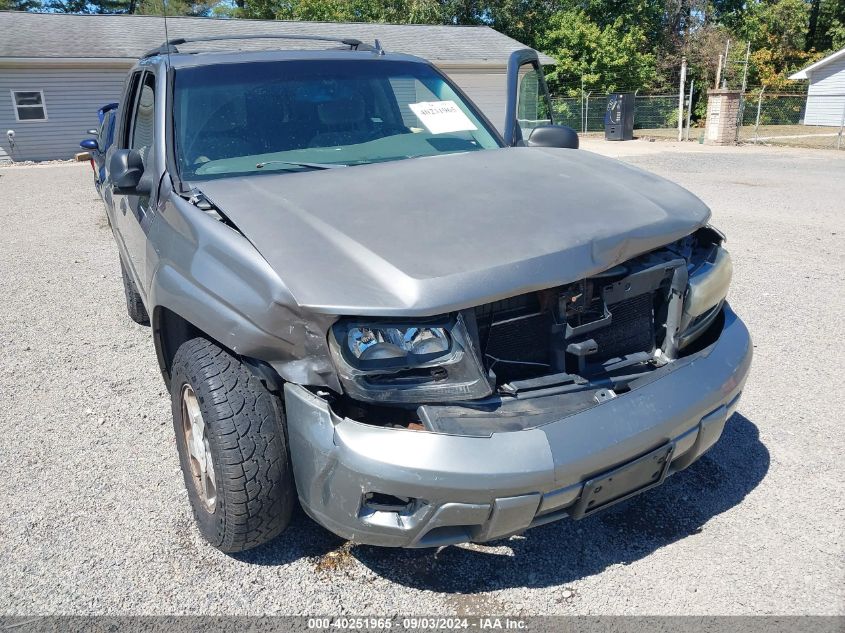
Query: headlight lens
{"points": [[374, 343], [408, 363]]}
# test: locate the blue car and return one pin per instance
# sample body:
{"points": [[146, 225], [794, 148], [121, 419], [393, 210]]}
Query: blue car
{"points": [[99, 145]]}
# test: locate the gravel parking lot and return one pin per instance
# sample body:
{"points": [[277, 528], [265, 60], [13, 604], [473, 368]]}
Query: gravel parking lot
{"points": [[94, 517]]}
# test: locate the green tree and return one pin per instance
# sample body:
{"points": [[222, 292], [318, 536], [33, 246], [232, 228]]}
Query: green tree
{"points": [[88, 6], [605, 58], [144, 7], [395, 11], [777, 31], [827, 32], [20, 5], [523, 20], [611, 44], [173, 7]]}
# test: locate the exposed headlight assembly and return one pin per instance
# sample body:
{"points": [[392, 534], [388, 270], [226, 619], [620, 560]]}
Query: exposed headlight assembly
{"points": [[401, 362], [706, 292]]}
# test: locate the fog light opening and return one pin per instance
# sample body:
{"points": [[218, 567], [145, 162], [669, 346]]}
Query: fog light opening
{"points": [[381, 502]]}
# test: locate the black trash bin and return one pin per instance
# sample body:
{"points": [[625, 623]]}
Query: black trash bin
{"points": [[619, 117]]}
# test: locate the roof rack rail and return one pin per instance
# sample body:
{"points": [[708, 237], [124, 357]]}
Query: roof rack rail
{"points": [[170, 45]]}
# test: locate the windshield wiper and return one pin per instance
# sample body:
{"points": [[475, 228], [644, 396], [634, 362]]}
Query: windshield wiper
{"points": [[299, 164]]}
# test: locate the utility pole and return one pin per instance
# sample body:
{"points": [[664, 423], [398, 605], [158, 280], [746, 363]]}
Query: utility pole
{"points": [[759, 106], [689, 109], [583, 120], [725, 73], [718, 72], [587, 113], [681, 87], [745, 70], [742, 93]]}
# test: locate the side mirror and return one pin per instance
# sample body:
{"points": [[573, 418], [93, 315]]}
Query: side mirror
{"points": [[93, 132], [553, 136], [528, 97], [126, 168], [89, 143]]}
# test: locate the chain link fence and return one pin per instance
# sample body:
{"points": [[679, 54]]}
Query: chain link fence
{"points": [[654, 115], [800, 120], [772, 118], [791, 115], [582, 105]]}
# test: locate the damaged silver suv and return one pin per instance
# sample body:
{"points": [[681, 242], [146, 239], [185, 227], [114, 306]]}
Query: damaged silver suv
{"points": [[364, 297]]}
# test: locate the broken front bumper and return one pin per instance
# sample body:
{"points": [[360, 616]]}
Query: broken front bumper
{"points": [[481, 488]]}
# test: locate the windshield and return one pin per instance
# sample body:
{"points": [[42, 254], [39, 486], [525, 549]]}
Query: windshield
{"points": [[236, 119]]}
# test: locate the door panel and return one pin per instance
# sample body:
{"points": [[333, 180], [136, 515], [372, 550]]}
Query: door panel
{"points": [[139, 208], [131, 213], [117, 203]]}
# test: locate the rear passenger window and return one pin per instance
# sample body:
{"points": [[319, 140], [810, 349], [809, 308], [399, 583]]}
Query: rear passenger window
{"points": [[143, 125]]}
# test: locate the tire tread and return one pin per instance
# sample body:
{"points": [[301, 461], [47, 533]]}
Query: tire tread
{"points": [[246, 420]]}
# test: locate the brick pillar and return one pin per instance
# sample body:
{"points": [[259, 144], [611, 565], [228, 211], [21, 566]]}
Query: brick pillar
{"points": [[722, 116]]}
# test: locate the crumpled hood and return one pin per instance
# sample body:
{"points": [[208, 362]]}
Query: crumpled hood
{"points": [[425, 236]]}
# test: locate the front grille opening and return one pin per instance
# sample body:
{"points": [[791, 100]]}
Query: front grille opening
{"points": [[582, 329], [519, 347], [631, 330], [514, 335]]}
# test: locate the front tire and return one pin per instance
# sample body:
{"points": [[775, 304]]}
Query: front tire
{"points": [[232, 449]]}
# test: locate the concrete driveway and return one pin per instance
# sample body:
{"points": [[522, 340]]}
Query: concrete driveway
{"points": [[94, 516]]}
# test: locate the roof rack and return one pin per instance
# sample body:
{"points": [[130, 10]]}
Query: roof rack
{"points": [[170, 45]]}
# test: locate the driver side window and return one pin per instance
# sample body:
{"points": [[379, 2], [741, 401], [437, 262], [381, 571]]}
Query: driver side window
{"points": [[532, 108]]}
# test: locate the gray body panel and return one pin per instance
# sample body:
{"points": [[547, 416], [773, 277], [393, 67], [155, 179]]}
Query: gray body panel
{"points": [[211, 276], [467, 482], [430, 235]]}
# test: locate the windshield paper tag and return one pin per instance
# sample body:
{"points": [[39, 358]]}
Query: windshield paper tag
{"points": [[440, 117]]}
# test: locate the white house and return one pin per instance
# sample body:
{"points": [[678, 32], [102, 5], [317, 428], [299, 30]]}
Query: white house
{"points": [[56, 70], [826, 94]]}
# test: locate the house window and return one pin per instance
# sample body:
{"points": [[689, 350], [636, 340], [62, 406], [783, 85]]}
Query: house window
{"points": [[29, 105]]}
